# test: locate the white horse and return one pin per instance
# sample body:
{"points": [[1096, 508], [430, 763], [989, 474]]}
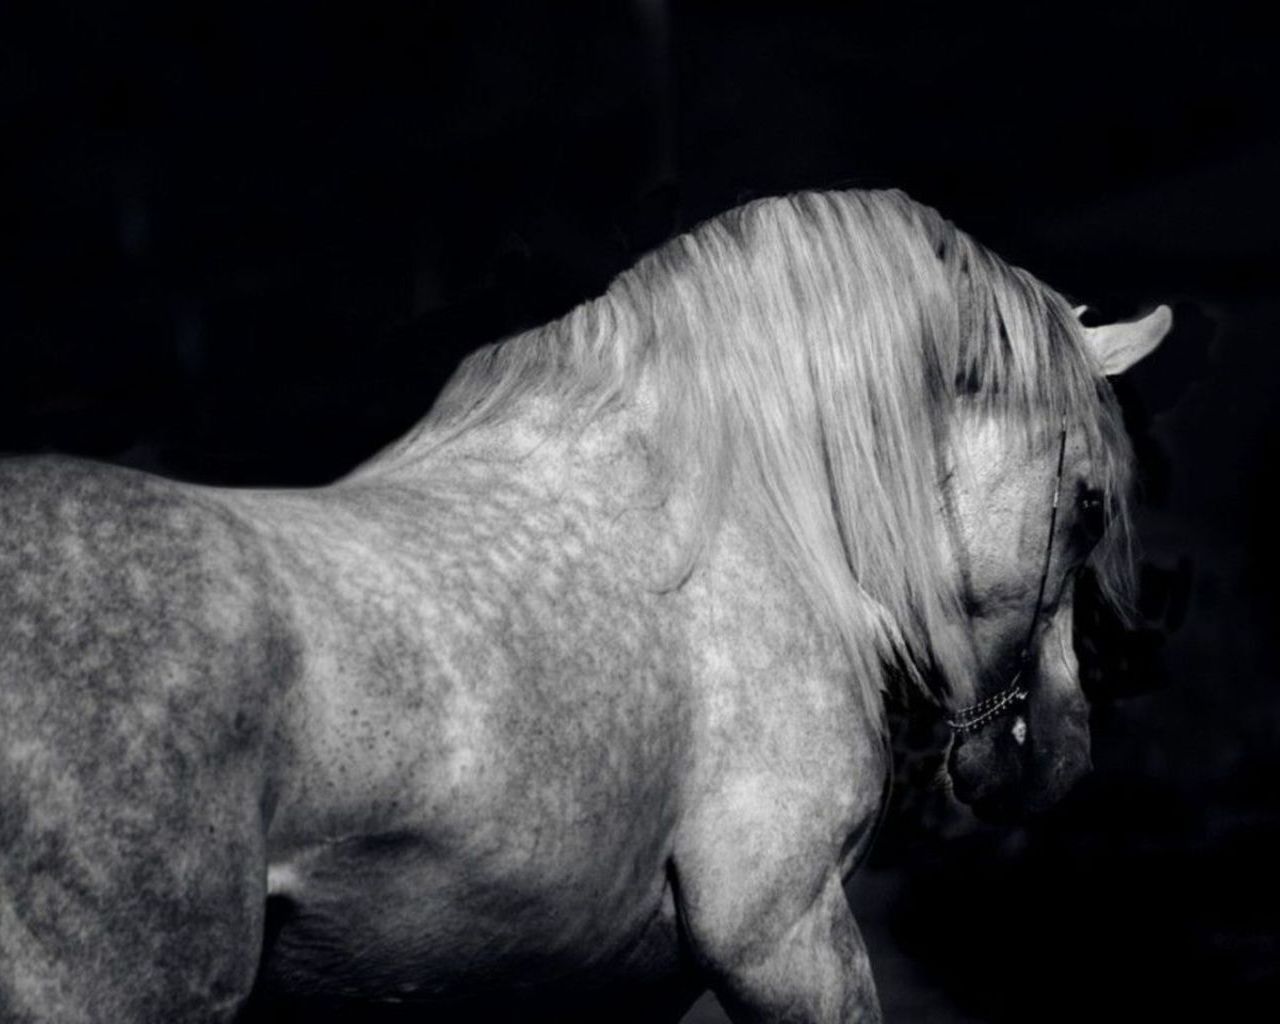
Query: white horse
{"points": [[569, 705]]}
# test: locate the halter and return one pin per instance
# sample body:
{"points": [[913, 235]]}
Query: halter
{"points": [[975, 716]]}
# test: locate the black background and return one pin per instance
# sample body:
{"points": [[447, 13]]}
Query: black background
{"points": [[247, 244]]}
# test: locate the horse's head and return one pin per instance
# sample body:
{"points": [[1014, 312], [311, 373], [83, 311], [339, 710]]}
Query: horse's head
{"points": [[1022, 519]]}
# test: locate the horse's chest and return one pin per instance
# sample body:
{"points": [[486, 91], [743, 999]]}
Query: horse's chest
{"points": [[506, 837], [412, 916]]}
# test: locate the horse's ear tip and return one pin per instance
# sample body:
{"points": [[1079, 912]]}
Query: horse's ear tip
{"points": [[1159, 323], [1118, 346]]}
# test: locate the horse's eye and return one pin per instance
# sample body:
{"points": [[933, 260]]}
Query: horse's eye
{"points": [[1092, 506]]}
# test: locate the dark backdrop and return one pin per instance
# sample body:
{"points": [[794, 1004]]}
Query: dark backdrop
{"points": [[247, 244]]}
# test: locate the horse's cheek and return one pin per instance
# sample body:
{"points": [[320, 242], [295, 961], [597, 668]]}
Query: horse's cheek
{"points": [[1064, 754], [1059, 718]]}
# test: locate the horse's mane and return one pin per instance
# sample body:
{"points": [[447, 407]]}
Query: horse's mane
{"points": [[811, 352]]}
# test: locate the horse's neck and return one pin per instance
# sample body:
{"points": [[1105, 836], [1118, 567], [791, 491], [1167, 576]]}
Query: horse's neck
{"points": [[536, 437], [615, 471]]}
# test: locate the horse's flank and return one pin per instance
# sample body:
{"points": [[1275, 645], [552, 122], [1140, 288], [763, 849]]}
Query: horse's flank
{"points": [[140, 657]]}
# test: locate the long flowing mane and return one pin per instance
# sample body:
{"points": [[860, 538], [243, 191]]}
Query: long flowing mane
{"points": [[811, 352]]}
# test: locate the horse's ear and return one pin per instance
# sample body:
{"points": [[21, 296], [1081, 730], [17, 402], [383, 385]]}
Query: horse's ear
{"points": [[1116, 347]]}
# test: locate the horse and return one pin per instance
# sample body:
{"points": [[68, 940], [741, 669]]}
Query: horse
{"points": [[568, 705]]}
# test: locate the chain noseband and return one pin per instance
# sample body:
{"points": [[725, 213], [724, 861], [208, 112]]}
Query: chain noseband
{"points": [[975, 716]]}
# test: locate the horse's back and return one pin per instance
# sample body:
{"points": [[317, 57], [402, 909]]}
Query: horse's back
{"points": [[135, 650]]}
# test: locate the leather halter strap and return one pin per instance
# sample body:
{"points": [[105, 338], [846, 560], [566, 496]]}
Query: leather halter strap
{"points": [[975, 716]]}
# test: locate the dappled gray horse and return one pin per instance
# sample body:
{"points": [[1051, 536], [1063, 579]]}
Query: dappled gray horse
{"points": [[569, 704]]}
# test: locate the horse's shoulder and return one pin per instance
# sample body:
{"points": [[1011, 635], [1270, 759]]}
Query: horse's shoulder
{"points": [[516, 540], [753, 610], [788, 768], [779, 705]]}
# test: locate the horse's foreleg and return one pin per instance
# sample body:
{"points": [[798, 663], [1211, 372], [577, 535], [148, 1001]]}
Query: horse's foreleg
{"points": [[769, 963]]}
